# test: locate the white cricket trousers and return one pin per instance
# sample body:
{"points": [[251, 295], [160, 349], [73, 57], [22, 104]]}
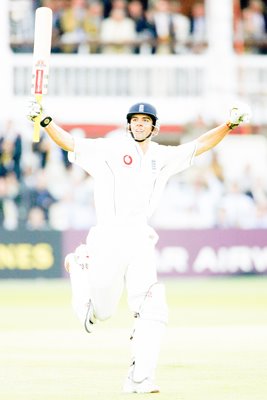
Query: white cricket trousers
{"points": [[124, 257], [118, 257]]}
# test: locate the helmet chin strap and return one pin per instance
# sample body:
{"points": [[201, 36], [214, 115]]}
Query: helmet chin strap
{"points": [[140, 140]]}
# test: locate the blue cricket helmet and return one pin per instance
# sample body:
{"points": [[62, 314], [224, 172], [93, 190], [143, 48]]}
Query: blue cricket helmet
{"points": [[142, 108]]}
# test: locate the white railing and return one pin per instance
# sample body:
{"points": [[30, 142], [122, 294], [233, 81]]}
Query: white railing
{"points": [[252, 75], [190, 82], [94, 75]]}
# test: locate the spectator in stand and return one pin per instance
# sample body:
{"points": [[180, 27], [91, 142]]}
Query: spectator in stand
{"points": [[41, 149], [118, 4], [109, 4], [118, 34], [9, 191], [256, 188], [92, 25], [3, 196], [216, 168], [238, 209], [57, 7], [21, 17], [71, 25], [39, 195], [10, 151], [254, 27], [6, 156], [75, 208], [200, 209], [198, 33], [36, 220], [38, 3], [261, 215], [17, 152], [145, 31], [194, 208], [181, 28], [162, 18]]}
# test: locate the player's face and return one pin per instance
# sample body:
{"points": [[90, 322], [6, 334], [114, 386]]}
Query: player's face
{"points": [[141, 126]]}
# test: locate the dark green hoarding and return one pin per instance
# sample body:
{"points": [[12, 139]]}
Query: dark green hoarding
{"points": [[30, 254]]}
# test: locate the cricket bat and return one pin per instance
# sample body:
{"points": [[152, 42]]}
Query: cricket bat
{"points": [[41, 56]]}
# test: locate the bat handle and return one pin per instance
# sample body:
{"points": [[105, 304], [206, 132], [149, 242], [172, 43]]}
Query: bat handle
{"points": [[36, 128]]}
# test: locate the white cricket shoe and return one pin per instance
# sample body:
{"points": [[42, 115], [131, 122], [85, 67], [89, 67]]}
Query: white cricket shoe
{"points": [[146, 386]]}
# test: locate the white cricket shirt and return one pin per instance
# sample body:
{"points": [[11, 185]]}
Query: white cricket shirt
{"points": [[128, 183]]}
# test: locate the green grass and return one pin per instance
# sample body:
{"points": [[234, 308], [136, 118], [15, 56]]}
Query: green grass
{"points": [[215, 345]]}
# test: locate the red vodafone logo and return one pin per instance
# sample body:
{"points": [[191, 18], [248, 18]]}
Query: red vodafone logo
{"points": [[127, 159]]}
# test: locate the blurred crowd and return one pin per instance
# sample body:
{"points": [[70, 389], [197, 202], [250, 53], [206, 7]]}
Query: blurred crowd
{"points": [[135, 26], [41, 190]]}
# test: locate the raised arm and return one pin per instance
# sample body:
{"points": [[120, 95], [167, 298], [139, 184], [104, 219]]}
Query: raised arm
{"points": [[211, 138], [214, 136], [61, 137]]}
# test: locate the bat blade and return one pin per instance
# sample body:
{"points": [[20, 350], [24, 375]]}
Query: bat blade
{"points": [[41, 57]]}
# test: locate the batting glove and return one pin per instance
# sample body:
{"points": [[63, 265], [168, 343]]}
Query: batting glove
{"points": [[239, 113], [34, 110]]}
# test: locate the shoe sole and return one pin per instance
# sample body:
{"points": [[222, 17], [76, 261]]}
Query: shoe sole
{"points": [[136, 391], [87, 323]]}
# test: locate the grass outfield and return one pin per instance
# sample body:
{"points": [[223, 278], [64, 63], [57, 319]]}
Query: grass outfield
{"points": [[215, 347]]}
